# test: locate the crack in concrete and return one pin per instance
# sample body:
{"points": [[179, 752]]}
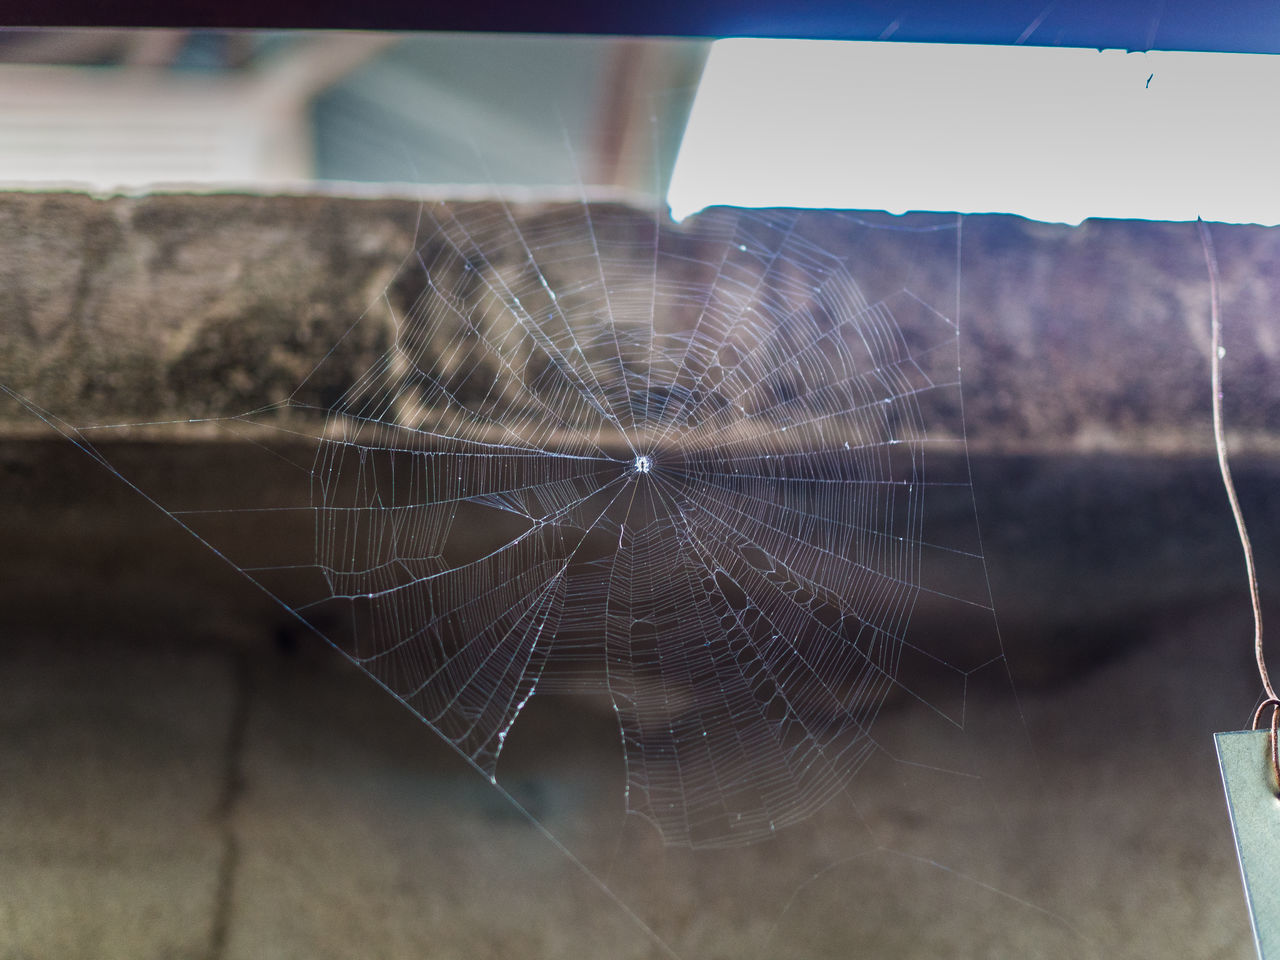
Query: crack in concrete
{"points": [[224, 812]]}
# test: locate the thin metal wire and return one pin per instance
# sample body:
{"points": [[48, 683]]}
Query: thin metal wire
{"points": [[1215, 368], [1275, 739]]}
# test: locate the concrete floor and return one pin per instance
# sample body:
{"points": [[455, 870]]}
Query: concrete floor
{"points": [[252, 803]]}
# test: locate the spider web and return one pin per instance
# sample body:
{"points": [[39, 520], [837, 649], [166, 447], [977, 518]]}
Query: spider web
{"points": [[684, 467], [702, 471]]}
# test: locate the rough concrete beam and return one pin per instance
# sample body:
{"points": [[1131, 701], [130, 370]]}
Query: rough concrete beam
{"points": [[162, 308]]}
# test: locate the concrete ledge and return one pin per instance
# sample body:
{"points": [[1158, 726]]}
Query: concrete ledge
{"points": [[171, 307]]}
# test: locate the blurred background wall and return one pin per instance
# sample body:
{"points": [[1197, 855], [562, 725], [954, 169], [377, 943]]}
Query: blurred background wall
{"points": [[111, 109]]}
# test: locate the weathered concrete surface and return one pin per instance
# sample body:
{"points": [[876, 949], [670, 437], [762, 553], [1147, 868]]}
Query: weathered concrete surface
{"points": [[1096, 338], [172, 307]]}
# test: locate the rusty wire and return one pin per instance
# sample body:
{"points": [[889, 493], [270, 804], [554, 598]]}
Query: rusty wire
{"points": [[1215, 368]]}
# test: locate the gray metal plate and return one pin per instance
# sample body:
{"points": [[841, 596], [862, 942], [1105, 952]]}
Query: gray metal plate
{"points": [[1255, 818]]}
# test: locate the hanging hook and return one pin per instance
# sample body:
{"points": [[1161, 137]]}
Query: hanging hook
{"points": [[1274, 704]]}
